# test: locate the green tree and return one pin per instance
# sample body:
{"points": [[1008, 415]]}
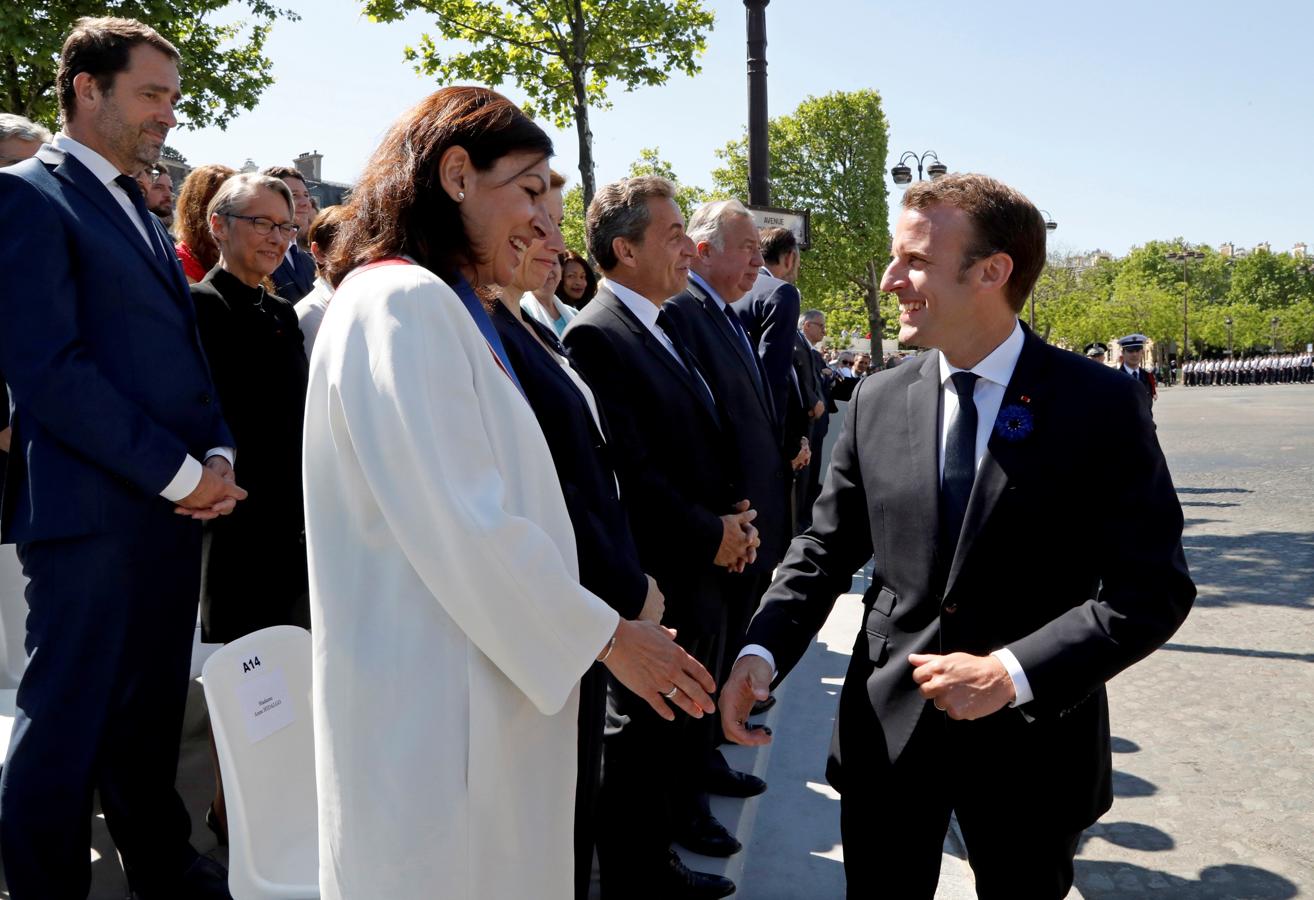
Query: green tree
{"points": [[224, 69], [563, 54], [650, 162], [828, 156]]}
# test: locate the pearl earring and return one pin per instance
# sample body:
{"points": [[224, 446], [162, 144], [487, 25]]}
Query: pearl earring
{"points": [[460, 195]]}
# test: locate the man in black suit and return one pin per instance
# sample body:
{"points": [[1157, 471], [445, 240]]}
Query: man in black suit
{"points": [[295, 276], [724, 269], [998, 609], [814, 387], [118, 448], [678, 480]]}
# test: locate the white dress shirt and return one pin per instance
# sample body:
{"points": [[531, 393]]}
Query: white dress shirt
{"points": [[646, 312], [189, 475], [995, 371]]}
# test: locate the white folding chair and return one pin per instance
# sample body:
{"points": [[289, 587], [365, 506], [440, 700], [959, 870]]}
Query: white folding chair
{"points": [[258, 692]]}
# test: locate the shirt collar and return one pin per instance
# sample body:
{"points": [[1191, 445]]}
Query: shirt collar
{"points": [[104, 170], [635, 302], [699, 280], [998, 366]]}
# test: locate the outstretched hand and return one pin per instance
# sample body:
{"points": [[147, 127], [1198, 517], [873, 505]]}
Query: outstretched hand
{"points": [[647, 660], [749, 683]]}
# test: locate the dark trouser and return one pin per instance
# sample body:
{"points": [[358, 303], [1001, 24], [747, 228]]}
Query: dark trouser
{"points": [[100, 707], [650, 767], [592, 715], [893, 819], [814, 475]]}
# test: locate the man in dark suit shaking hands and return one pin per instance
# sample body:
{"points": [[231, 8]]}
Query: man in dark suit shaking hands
{"points": [[119, 448], [998, 609]]}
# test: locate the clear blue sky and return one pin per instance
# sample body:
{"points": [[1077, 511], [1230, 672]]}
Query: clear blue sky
{"points": [[1127, 121]]}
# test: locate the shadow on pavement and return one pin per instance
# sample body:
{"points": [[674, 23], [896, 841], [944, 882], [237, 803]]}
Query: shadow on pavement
{"points": [[1240, 651], [1264, 568], [1122, 745], [1212, 490], [1226, 882], [1127, 785]]}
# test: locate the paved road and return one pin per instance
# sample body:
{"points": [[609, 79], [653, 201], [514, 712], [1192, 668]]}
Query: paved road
{"points": [[1215, 733]]}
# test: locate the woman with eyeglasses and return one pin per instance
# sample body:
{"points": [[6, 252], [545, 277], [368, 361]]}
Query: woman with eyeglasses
{"points": [[254, 561]]}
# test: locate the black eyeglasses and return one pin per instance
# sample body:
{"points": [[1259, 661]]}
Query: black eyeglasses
{"points": [[263, 226]]}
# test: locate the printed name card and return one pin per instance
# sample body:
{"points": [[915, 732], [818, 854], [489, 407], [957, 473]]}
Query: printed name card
{"points": [[266, 704]]}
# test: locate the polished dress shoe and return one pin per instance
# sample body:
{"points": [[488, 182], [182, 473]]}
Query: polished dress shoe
{"points": [[204, 879], [676, 881], [761, 706], [705, 835], [732, 783]]}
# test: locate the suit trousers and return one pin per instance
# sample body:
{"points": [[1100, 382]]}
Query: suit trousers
{"points": [[650, 770], [100, 707], [893, 821], [592, 717]]}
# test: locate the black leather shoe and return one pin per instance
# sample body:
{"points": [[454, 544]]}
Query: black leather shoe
{"points": [[762, 706], [732, 783], [709, 837], [679, 882]]}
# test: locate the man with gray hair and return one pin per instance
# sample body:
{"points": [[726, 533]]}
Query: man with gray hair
{"points": [[20, 139], [817, 379], [674, 459]]}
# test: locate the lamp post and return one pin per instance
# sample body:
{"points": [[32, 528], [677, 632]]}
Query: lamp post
{"points": [[1186, 255], [1228, 322], [759, 183], [1050, 225], [1274, 346], [902, 174]]}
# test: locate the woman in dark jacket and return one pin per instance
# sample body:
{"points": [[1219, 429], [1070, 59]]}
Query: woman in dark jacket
{"points": [[608, 558], [253, 571]]}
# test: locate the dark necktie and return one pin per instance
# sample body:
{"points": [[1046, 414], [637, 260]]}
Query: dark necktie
{"points": [[745, 345], [682, 354], [959, 465], [133, 190]]}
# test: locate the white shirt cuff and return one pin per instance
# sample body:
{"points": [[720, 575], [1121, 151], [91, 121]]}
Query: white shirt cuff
{"points": [[226, 452], [189, 475], [758, 650], [1014, 668]]}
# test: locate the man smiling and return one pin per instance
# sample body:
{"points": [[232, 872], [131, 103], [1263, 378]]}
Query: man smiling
{"points": [[976, 685]]}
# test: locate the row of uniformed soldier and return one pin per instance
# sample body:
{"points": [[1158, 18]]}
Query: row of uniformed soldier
{"points": [[1273, 368]]}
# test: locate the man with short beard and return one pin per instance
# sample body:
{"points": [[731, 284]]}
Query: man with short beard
{"points": [[157, 187], [119, 450]]}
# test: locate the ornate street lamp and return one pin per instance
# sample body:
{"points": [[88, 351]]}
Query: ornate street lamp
{"points": [[902, 174], [1186, 255], [1050, 225], [1227, 320]]}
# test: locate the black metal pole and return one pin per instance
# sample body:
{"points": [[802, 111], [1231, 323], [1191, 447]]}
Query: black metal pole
{"points": [[759, 181]]}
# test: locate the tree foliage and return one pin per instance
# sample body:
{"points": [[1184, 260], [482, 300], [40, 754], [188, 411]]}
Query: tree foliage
{"points": [[828, 156], [1146, 292], [564, 54], [223, 67], [650, 162]]}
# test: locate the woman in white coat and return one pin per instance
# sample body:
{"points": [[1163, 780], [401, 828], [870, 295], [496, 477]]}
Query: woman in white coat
{"points": [[449, 624]]}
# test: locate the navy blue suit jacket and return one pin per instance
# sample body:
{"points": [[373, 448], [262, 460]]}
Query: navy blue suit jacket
{"points": [[769, 313], [110, 386], [292, 282]]}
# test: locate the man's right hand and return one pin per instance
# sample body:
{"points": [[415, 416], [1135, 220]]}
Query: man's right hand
{"points": [[5, 434], [216, 495], [739, 539], [654, 605], [647, 660], [818, 410], [749, 682]]}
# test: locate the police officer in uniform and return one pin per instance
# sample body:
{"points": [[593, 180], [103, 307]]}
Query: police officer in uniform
{"points": [[1133, 348]]}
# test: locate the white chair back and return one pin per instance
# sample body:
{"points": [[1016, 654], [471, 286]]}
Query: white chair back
{"points": [[257, 689]]}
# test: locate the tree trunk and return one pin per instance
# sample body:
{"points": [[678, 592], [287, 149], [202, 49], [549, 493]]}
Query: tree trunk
{"points": [[579, 84], [874, 319]]}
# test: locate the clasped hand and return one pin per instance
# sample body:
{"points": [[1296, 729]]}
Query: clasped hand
{"points": [[215, 496], [963, 685], [739, 539]]}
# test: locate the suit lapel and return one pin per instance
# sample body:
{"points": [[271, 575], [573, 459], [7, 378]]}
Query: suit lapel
{"points": [[924, 446], [746, 358], [1005, 457], [654, 348], [81, 179]]}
